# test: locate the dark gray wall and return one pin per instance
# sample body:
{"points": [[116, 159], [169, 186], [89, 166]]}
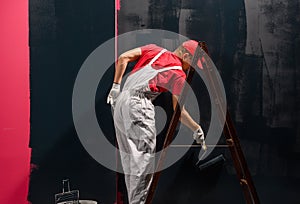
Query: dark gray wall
{"points": [[255, 46]]}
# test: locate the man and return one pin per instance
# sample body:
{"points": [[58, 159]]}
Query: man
{"points": [[157, 70]]}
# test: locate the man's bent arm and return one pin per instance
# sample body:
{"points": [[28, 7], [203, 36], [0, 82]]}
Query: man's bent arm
{"points": [[185, 117], [123, 61]]}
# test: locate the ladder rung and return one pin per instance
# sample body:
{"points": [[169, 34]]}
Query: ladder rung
{"points": [[230, 142], [243, 182]]}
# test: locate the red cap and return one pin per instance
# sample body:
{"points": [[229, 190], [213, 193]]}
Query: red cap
{"points": [[191, 46]]}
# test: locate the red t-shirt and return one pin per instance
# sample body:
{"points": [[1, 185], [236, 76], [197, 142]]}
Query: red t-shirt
{"points": [[171, 80]]}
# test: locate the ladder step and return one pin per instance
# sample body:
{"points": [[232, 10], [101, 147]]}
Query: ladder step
{"points": [[243, 182]]}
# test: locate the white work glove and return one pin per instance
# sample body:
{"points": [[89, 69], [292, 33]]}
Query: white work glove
{"points": [[113, 94], [199, 137]]}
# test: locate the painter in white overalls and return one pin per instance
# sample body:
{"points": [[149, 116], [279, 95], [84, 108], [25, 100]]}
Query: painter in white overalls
{"points": [[135, 129]]}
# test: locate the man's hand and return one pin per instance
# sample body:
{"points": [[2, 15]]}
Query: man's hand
{"points": [[199, 137], [113, 94]]}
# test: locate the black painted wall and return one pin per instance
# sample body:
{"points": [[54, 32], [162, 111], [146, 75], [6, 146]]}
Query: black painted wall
{"points": [[64, 33]]}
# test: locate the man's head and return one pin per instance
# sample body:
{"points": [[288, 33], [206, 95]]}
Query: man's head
{"points": [[186, 52]]}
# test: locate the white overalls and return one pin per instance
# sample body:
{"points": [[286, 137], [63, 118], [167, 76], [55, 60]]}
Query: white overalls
{"points": [[135, 130]]}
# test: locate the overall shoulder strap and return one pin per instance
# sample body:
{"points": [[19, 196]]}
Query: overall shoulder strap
{"points": [[157, 56], [169, 68]]}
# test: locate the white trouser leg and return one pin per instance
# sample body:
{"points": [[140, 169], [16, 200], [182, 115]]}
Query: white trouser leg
{"points": [[137, 143]]}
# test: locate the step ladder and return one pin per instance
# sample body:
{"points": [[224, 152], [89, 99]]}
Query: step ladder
{"points": [[229, 131]]}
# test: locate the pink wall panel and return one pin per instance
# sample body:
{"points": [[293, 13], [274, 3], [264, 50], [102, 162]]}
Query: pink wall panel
{"points": [[14, 102]]}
